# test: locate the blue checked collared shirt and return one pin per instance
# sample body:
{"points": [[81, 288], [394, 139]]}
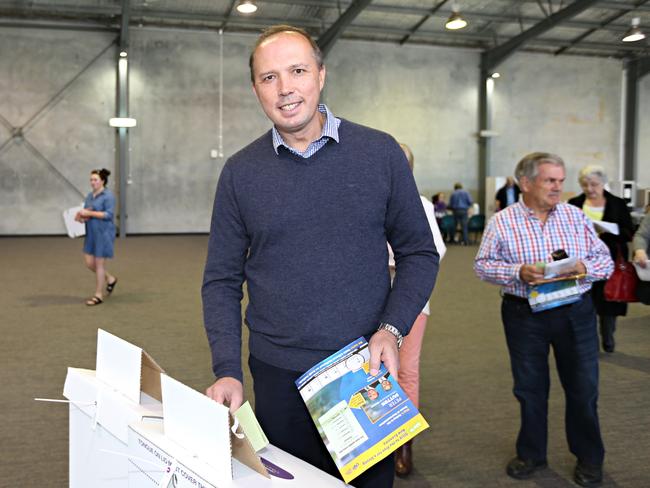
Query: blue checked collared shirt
{"points": [[330, 131]]}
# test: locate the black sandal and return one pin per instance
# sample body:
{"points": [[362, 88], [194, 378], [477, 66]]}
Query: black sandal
{"points": [[111, 286], [95, 300]]}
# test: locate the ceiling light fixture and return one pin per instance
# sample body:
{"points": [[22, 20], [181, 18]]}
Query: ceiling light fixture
{"points": [[634, 33], [495, 75], [246, 7], [122, 122], [455, 20]]}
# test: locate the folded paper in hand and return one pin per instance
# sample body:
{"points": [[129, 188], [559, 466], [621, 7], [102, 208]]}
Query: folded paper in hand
{"points": [[610, 227], [557, 268], [642, 273]]}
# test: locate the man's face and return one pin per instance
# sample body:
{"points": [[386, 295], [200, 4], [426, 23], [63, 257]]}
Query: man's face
{"points": [[545, 190], [288, 83]]}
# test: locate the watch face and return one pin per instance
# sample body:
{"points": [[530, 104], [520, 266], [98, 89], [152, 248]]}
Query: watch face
{"points": [[354, 362]]}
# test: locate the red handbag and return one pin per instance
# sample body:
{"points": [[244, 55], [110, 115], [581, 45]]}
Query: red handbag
{"points": [[621, 286]]}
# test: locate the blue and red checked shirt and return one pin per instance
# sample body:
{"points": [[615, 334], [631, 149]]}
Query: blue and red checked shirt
{"points": [[515, 236]]}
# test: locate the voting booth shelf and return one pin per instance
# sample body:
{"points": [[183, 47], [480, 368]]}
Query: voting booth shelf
{"points": [[133, 426]]}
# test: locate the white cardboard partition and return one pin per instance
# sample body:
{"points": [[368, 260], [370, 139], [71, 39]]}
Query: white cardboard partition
{"points": [[119, 364], [198, 423]]}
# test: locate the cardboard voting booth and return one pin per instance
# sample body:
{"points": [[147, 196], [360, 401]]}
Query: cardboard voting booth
{"points": [[133, 426]]}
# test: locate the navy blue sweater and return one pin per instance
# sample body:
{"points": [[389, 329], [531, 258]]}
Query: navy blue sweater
{"points": [[309, 238]]}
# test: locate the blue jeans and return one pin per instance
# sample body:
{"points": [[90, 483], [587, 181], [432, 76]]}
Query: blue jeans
{"points": [[571, 331], [460, 218]]}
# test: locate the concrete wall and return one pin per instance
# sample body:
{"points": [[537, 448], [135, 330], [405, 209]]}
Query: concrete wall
{"points": [[643, 154], [424, 96], [174, 82], [73, 134], [566, 105]]}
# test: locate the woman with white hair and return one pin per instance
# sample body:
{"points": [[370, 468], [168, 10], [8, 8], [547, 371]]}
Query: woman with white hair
{"points": [[600, 205]]}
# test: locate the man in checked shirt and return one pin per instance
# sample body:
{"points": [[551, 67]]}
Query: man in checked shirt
{"points": [[516, 239]]}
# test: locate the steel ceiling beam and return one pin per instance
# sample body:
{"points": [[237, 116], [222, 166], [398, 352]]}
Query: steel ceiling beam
{"points": [[414, 29], [108, 13], [228, 14], [630, 118], [604, 23], [327, 40], [643, 66], [493, 57], [122, 108]]}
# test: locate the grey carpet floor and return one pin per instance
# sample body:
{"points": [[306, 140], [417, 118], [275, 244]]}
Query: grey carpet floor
{"points": [[466, 383]]}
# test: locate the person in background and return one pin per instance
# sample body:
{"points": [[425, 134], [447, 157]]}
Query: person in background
{"points": [[98, 211], [515, 241], [507, 194], [641, 248], [641, 242], [409, 355], [460, 202], [440, 210], [439, 205], [600, 205]]}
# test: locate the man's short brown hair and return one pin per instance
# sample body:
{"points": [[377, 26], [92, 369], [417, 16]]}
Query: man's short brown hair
{"points": [[278, 29]]}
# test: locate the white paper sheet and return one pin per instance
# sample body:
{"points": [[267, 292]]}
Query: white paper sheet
{"points": [[556, 268], [72, 227], [119, 364], [198, 424], [610, 227], [643, 273]]}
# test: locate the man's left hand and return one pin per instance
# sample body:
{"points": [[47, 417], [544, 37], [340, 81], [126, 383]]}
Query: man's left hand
{"points": [[383, 349], [579, 268]]}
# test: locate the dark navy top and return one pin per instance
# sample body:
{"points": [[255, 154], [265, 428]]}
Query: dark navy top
{"points": [[100, 233], [308, 235]]}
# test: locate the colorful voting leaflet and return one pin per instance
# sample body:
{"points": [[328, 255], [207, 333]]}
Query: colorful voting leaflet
{"points": [[362, 418], [553, 294]]}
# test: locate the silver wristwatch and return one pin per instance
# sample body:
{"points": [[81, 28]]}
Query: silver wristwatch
{"points": [[393, 330]]}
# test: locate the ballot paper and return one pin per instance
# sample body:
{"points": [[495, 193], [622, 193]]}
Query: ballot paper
{"points": [[642, 273], [362, 418], [72, 227], [610, 227], [560, 267], [251, 427]]}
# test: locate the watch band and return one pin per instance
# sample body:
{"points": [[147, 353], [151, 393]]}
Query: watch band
{"points": [[393, 330]]}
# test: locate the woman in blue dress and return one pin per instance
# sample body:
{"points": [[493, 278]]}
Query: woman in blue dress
{"points": [[97, 214]]}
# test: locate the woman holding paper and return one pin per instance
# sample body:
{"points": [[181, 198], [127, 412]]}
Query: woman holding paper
{"points": [[641, 246], [97, 214], [409, 354], [604, 208]]}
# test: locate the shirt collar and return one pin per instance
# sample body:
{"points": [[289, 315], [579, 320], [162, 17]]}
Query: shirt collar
{"points": [[529, 211], [330, 129]]}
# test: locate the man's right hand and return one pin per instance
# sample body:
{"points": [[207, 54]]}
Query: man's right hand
{"points": [[227, 391], [530, 273]]}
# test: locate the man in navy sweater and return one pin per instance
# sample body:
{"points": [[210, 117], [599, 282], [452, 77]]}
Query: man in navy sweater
{"points": [[302, 215]]}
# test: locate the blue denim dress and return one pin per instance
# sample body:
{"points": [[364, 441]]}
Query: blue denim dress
{"points": [[100, 233]]}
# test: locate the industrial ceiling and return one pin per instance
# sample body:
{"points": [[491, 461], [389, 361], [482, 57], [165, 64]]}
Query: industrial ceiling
{"points": [[596, 30]]}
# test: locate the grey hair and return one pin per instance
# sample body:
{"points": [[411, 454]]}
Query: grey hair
{"points": [[593, 171], [530, 163]]}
